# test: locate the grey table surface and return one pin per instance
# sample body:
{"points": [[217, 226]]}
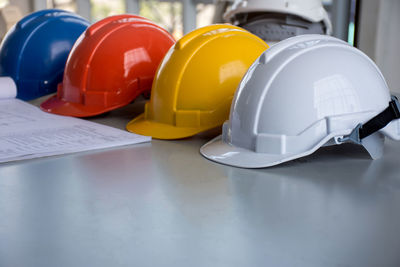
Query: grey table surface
{"points": [[163, 204]]}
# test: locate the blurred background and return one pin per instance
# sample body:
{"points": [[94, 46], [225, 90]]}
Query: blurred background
{"points": [[371, 25], [178, 17]]}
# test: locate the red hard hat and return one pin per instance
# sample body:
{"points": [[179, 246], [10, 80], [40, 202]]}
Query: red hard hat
{"points": [[112, 63]]}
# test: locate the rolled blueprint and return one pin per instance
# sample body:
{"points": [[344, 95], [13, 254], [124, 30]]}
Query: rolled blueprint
{"points": [[8, 89]]}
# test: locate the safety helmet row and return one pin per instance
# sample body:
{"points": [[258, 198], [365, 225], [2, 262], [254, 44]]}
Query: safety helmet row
{"points": [[303, 93], [35, 50], [111, 63], [195, 83], [281, 110]]}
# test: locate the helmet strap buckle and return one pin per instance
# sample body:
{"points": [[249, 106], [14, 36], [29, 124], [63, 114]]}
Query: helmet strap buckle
{"points": [[392, 112], [353, 137]]}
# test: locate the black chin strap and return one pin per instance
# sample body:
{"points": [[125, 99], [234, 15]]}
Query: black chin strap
{"points": [[392, 112]]}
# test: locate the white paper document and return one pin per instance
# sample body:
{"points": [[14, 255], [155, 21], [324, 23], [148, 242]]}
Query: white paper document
{"points": [[27, 132]]}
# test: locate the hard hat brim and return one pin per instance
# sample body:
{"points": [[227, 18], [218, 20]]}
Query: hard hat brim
{"points": [[140, 125], [219, 151], [57, 106]]}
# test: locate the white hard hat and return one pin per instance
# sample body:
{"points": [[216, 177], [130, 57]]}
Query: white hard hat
{"points": [[303, 93], [311, 10]]}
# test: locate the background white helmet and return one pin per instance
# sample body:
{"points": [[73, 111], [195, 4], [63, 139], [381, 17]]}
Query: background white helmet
{"points": [[303, 93], [275, 20]]}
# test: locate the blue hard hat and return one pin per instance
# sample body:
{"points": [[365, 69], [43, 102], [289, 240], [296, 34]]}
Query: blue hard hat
{"points": [[35, 50]]}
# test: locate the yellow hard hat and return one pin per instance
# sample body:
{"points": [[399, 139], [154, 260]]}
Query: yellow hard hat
{"points": [[194, 85]]}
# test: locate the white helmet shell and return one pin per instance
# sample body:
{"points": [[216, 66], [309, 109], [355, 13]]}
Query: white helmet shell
{"points": [[302, 93], [311, 10]]}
